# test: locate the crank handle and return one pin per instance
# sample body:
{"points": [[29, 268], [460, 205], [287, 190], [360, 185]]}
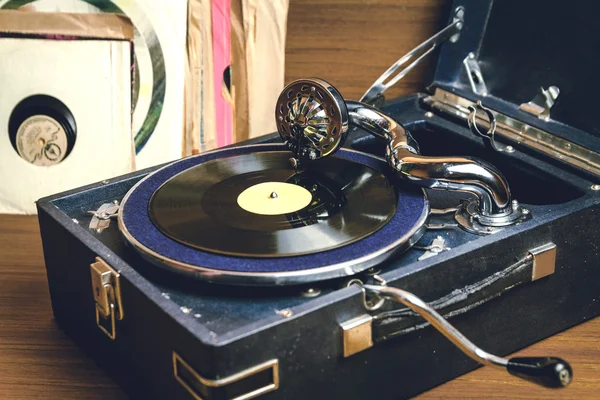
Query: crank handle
{"points": [[550, 372]]}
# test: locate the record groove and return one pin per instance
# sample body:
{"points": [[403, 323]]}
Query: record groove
{"points": [[199, 207]]}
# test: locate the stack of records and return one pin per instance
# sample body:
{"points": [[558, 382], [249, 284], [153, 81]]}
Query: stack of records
{"points": [[236, 52]]}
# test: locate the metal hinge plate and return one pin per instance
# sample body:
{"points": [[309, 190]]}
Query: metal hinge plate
{"points": [[474, 74], [102, 216], [106, 289]]}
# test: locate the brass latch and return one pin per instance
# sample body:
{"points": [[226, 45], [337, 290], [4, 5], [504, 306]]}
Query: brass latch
{"points": [[106, 289]]}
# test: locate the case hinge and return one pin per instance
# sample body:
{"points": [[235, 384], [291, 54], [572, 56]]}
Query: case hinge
{"points": [[450, 105], [106, 289]]}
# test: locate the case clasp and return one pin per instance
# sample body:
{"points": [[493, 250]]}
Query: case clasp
{"points": [[106, 289]]}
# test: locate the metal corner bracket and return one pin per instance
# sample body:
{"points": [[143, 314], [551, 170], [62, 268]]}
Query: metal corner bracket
{"points": [[201, 388], [544, 261], [357, 334]]}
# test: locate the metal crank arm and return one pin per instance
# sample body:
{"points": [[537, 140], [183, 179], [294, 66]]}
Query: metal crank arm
{"points": [[551, 372], [374, 95]]}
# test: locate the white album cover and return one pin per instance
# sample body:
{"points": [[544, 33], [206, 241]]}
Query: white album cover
{"points": [[160, 40], [91, 79]]}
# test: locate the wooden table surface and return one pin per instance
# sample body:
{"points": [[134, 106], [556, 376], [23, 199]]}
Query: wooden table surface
{"points": [[38, 361]]}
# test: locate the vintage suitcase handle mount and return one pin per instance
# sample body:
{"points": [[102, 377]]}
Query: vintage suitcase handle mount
{"points": [[312, 118]]}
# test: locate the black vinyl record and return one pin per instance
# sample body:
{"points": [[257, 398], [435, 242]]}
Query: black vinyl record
{"points": [[200, 207]]}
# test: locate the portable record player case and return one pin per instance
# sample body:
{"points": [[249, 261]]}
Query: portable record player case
{"points": [[169, 337]]}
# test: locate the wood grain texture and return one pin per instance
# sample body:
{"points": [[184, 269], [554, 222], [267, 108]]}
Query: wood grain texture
{"points": [[350, 43], [38, 361]]}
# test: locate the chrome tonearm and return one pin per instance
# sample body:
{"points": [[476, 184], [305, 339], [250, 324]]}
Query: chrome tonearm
{"points": [[312, 118]]}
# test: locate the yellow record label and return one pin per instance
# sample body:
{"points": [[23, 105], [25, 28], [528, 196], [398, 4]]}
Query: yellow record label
{"points": [[274, 198]]}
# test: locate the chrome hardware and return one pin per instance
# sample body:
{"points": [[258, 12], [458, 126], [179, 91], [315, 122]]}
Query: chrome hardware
{"points": [[446, 103], [438, 322], [285, 313], [371, 303], [311, 292], [474, 74], [357, 334], [546, 371], [462, 174], [372, 271], [544, 261], [440, 227], [311, 119], [443, 211], [550, 372], [185, 310], [265, 379], [542, 103], [374, 96], [102, 216], [470, 219], [489, 135], [106, 289], [437, 246]]}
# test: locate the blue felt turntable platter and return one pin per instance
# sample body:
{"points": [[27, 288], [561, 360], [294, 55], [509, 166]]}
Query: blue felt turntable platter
{"points": [[389, 233]]}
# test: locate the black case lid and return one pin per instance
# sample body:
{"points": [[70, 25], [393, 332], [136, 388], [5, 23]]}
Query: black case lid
{"points": [[522, 45]]}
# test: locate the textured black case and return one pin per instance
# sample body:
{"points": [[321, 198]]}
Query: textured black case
{"points": [[483, 281]]}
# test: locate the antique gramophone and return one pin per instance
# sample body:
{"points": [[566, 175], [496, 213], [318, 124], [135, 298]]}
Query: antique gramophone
{"points": [[238, 300]]}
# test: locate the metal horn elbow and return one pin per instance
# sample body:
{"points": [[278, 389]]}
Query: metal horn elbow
{"points": [[464, 174]]}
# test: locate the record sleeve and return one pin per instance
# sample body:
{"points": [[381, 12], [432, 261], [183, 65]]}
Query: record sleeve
{"points": [[158, 98]]}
